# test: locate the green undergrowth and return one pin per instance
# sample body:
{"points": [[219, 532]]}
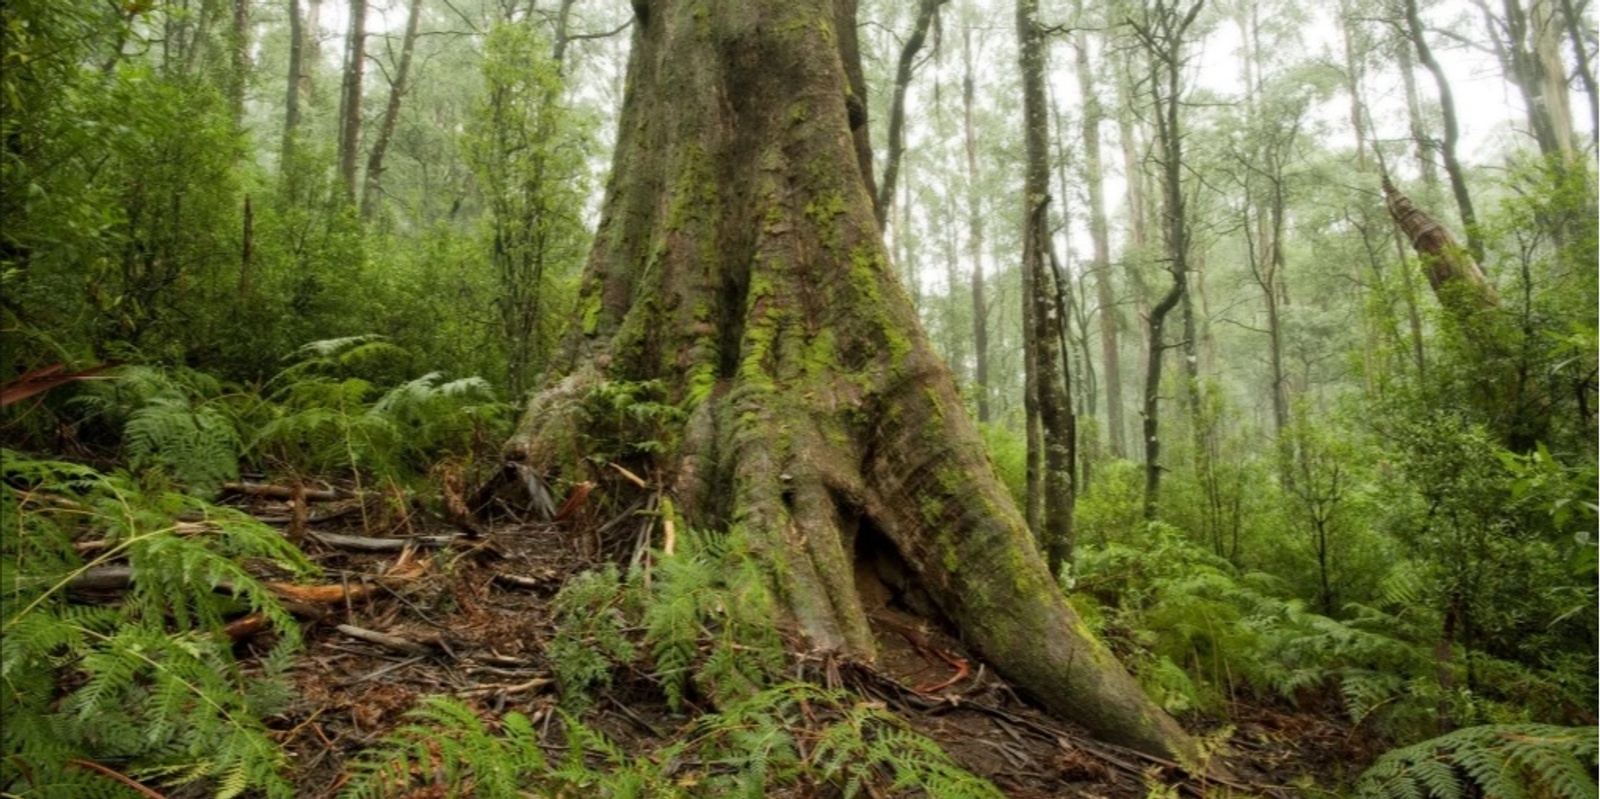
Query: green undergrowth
{"points": [[1505, 761], [340, 409], [700, 624], [702, 620], [144, 683], [1199, 632], [790, 736]]}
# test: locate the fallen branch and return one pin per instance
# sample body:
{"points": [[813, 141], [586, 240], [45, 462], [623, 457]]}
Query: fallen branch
{"points": [[285, 492], [322, 594], [361, 543], [118, 776], [310, 517], [45, 378], [391, 642], [486, 690]]}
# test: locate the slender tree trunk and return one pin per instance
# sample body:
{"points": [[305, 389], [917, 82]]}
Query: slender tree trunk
{"points": [[1105, 296], [1420, 138], [1580, 54], [247, 252], [1133, 174], [239, 74], [818, 416], [897, 108], [1452, 131], [558, 48], [980, 305], [312, 32], [1353, 73], [955, 338], [350, 99], [1054, 404], [1162, 33], [291, 97], [391, 114]]}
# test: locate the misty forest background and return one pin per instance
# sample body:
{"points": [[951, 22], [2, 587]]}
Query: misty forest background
{"points": [[318, 239]]}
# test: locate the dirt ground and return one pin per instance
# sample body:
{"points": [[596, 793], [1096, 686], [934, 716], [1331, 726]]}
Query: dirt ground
{"points": [[470, 617]]}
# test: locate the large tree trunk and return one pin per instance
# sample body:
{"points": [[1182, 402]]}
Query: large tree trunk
{"points": [[739, 261]]}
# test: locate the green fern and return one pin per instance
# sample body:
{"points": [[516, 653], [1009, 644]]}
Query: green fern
{"points": [[151, 683], [178, 420], [1508, 761], [325, 416], [592, 612], [753, 748]]}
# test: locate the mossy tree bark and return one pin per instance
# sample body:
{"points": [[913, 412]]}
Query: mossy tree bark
{"points": [[739, 261]]}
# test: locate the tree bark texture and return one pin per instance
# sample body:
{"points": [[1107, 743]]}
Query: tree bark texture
{"points": [[739, 261], [1446, 263], [1573, 22]]}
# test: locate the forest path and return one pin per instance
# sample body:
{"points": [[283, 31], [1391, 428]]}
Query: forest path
{"points": [[474, 619]]}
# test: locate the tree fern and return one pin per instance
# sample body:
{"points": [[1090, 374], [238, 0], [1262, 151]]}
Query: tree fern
{"points": [[1508, 761]]}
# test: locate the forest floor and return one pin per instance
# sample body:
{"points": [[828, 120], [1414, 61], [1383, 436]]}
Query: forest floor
{"points": [[472, 619]]}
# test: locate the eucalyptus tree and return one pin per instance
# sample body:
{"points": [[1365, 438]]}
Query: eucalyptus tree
{"points": [[1050, 380], [980, 307], [355, 62], [398, 88], [927, 10], [1527, 39], [1163, 30], [1417, 35], [740, 263], [1093, 177]]}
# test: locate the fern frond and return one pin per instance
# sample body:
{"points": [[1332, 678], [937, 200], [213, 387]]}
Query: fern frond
{"points": [[1510, 761]]}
